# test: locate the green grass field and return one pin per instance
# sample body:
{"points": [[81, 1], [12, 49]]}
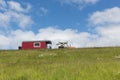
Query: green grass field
{"points": [[61, 64]]}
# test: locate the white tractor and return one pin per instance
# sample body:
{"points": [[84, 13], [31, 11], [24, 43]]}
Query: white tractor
{"points": [[62, 44]]}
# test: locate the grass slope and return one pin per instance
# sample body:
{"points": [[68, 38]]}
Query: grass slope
{"points": [[61, 64]]}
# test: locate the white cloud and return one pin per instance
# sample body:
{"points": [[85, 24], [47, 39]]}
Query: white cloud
{"points": [[110, 35], [4, 20], [24, 21], [2, 5], [43, 10], [107, 26], [108, 16], [4, 42], [80, 3], [13, 12], [17, 6]]}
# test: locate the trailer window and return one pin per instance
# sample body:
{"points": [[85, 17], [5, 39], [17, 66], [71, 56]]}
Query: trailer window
{"points": [[36, 44]]}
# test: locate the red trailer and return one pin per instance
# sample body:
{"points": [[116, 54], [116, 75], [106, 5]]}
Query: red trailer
{"points": [[36, 44]]}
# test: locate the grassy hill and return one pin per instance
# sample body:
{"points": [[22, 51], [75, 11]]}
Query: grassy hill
{"points": [[61, 64]]}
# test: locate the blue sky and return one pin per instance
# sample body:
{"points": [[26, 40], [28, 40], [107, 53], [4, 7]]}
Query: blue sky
{"points": [[83, 23]]}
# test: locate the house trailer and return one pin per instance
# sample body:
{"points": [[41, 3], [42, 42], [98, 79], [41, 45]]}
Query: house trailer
{"points": [[36, 45]]}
